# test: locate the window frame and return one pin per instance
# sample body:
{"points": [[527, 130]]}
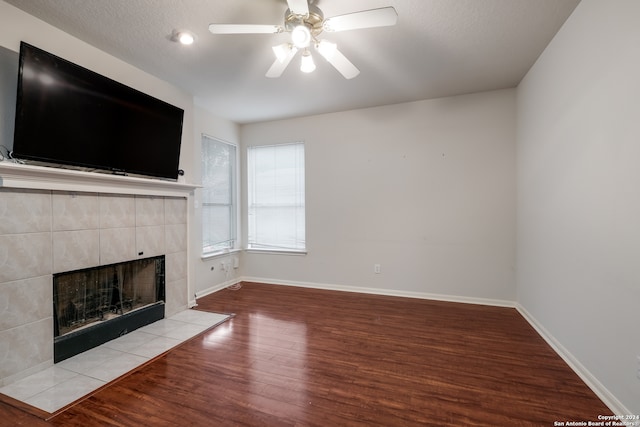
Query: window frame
{"points": [[275, 250], [234, 216]]}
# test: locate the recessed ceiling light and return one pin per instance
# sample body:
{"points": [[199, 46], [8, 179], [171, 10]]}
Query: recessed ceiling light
{"points": [[184, 37]]}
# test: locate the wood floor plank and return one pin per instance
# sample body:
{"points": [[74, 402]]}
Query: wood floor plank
{"points": [[304, 357]]}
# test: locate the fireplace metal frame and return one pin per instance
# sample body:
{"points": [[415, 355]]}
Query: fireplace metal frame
{"points": [[98, 333]]}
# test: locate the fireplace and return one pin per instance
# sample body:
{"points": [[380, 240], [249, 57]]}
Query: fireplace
{"points": [[95, 305]]}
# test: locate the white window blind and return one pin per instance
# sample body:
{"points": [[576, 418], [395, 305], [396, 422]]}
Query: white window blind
{"points": [[218, 195], [276, 200]]}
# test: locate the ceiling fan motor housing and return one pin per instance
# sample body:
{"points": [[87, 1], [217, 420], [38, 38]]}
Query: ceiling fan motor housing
{"points": [[313, 21]]}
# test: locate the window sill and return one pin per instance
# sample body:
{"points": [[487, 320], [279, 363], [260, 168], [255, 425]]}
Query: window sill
{"points": [[219, 254], [298, 252]]}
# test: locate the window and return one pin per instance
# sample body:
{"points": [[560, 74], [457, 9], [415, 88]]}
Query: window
{"points": [[275, 182], [219, 227]]}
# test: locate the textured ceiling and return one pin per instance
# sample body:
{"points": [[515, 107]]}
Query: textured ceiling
{"points": [[438, 48]]}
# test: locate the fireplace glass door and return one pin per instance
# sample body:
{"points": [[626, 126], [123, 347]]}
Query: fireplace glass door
{"points": [[84, 297]]}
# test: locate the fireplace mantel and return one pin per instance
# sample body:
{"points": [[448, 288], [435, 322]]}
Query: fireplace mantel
{"points": [[14, 175]]}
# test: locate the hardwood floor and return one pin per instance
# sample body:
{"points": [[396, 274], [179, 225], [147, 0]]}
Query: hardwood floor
{"points": [[304, 357]]}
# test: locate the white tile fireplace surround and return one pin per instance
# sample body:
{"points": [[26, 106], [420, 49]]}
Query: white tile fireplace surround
{"points": [[47, 231]]}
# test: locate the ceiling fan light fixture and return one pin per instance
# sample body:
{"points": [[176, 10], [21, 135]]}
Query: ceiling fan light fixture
{"points": [[301, 36], [306, 64], [305, 22]]}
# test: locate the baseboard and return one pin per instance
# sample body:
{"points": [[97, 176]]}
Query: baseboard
{"points": [[387, 292], [589, 379], [216, 288]]}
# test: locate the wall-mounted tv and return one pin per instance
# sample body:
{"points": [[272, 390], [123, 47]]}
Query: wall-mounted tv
{"points": [[69, 115]]}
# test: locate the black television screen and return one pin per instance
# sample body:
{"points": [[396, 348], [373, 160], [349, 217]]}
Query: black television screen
{"points": [[69, 115]]}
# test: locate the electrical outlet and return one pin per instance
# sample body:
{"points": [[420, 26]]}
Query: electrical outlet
{"points": [[376, 268]]}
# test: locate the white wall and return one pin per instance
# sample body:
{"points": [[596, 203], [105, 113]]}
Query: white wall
{"points": [[425, 189], [209, 275], [579, 197]]}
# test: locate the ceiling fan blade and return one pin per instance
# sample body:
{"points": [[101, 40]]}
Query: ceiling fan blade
{"points": [[334, 57], [280, 64], [298, 7], [244, 29], [383, 17]]}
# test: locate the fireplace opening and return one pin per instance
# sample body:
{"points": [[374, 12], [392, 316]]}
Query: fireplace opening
{"points": [[95, 305]]}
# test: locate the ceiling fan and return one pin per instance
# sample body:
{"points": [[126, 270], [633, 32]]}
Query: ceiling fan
{"points": [[305, 21]]}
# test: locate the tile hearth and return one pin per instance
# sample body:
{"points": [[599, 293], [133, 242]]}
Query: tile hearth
{"points": [[71, 379]]}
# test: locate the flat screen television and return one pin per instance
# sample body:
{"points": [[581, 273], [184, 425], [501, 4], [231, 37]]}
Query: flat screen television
{"points": [[69, 115]]}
